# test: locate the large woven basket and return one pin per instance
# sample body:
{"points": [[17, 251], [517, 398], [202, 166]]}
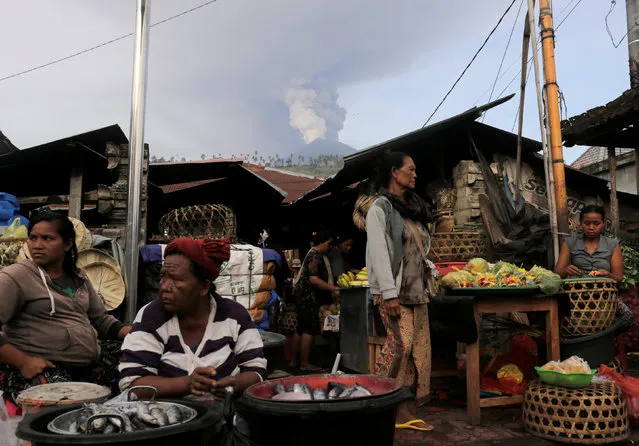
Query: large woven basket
{"points": [[457, 246], [596, 414], [200, 221], [593, 303], [9, 250]]}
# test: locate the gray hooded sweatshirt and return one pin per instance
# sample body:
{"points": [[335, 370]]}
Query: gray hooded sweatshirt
{"points": [[40, 321], [384, 248]]}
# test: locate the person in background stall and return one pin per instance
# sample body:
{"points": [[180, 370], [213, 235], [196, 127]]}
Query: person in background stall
{"points": [[401, 279], [314, 287], [296, 266], [591, 253], [190, 341], [338, 255], [52, 317]]}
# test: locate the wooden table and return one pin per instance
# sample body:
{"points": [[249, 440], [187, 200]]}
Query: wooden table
{"points": [[547, 304]]}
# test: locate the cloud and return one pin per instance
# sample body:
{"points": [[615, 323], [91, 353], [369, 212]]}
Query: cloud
{"points": [[233, 77]]}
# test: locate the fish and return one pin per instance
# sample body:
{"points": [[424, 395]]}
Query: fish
{"points": [[138, 424], [83, 418], [335, 390], [364, 390], [347, 393], [278, 389], [319, 394], [99, 424], [292, 396], [157, 413], [174, 415], [144, 414], [290, 388], [73, 427], [110, 429], [359, 394], [299, 388]]}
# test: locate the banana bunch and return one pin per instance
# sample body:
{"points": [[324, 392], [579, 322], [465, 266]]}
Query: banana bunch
{"points": [[350, 280]]}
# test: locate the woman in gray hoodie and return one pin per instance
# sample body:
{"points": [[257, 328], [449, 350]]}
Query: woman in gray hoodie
{"points": [[52, 317], [401, 279]]}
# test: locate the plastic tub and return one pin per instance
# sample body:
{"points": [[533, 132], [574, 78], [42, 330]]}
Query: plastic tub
{"points": [[201, 431], [444, 268], [369, 420], [571, 380], [274, 349]]}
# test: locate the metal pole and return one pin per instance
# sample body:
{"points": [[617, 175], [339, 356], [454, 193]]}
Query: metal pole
{"points": [[554, 116], [632, 14], [522, 100], [136, 153]]}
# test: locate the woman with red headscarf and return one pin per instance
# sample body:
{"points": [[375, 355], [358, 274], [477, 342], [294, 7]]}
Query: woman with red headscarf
{"points": [[190, 341]]}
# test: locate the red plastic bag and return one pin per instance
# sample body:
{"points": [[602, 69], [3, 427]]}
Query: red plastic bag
{"points": [[630, 388]]}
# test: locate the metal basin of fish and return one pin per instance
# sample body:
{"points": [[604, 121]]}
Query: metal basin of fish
{"points": [[116, 410]]}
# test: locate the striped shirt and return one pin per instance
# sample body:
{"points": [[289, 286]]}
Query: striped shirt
{"points": [[154, 347]]}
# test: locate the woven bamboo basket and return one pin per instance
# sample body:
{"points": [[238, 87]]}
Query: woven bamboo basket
{"points": [[200, 221], [9, 250], [289, 321], [457, 246], [362, 205], [593, 303], [596, 414]]}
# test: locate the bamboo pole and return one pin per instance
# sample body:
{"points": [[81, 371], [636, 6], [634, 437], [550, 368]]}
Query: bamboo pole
{"points": [[614, 202], [545, 137], [553, 115], [522, 100]]}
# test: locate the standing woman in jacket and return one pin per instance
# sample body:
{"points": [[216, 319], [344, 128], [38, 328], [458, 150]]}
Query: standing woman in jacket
{"points": [[401, 279]]}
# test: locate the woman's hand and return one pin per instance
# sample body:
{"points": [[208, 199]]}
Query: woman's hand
{"points": [[335, 292], [32, 367], [603, 273], [392, 307], [572, 271], [218, 388], [200, 381]]}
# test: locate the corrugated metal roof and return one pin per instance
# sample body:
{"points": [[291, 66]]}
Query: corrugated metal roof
{"points": [[595, 155], [294, 185], [170, 188], [163, 174], [6, 146]]}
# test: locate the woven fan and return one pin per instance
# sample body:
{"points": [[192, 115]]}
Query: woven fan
{"points": [[83, 239], [91, 256], [107, 282]]}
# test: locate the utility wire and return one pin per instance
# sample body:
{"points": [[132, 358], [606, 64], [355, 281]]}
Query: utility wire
{"points": [[529, 60], [613, 3], [470, 63], [503, 57], [117, 39]]}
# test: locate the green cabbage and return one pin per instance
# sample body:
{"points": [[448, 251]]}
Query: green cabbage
{"points": [[548, 282], [454, 280], [478, 266]]}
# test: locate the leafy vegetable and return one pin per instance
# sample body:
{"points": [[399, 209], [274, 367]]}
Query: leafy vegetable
{"points": [[630, 267], [478, 266]]}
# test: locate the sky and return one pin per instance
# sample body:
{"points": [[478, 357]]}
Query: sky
{"points": [[238, 76]]}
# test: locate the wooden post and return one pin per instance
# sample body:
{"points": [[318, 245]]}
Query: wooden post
{"points": [[614, 203], [637, 169], [75, 192], [554, 115], [522, 98]]}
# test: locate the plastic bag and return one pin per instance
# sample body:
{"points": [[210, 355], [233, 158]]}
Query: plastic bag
{"points": [[511, 380], [8, 426], [630, 388]]}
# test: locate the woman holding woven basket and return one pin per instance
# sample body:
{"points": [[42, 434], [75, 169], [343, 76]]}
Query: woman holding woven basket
{"points": [[401, 279]]}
